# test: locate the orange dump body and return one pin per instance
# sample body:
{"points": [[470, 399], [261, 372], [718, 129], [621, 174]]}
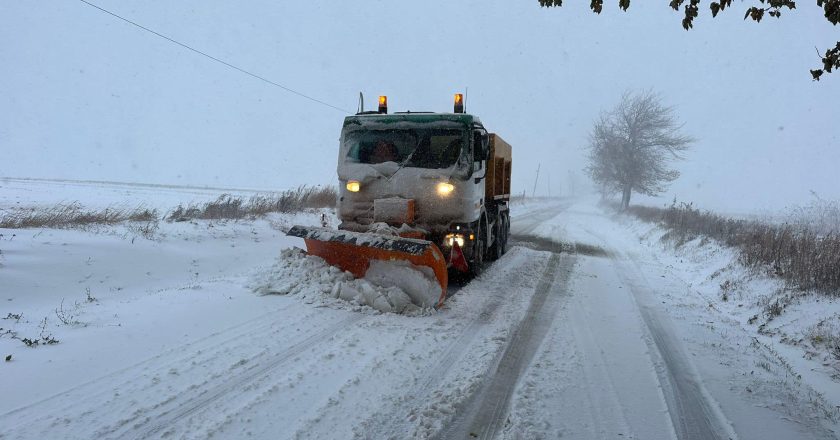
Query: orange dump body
{"points": [[353, 251]]}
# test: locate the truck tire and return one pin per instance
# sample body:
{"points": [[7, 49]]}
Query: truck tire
{"points": [[479, 252], [502, 232], [498, 249], [505, 231]]}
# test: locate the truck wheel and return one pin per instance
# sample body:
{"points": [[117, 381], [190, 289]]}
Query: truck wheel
{"points": [[505, 232], [477, 263], [500, 245], [498, 248]]}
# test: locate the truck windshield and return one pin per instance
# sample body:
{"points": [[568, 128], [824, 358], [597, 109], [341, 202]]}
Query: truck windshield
{"points": [[432, 148]]}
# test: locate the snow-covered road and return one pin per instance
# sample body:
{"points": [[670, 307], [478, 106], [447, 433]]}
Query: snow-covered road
{"points": [[577, 332], [634, 353]]}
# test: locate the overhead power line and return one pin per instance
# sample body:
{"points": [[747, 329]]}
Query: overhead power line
{"points": [[185, 46]]}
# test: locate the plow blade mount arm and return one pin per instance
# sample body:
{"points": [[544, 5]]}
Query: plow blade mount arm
{"points": [[353, 251]]}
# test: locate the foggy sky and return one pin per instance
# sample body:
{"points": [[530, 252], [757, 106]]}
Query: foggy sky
{"points": [[85, 96]]}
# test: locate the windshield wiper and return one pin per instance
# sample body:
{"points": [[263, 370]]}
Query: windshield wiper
{"points": [[407, 159]]}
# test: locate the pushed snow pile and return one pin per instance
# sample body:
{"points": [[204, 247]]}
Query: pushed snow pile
{"points": [[389, 286], [387, 230], [381, 228], [419, 283]]}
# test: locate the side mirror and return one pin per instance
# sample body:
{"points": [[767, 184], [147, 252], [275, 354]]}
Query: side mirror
{"points": [[481, 142]]}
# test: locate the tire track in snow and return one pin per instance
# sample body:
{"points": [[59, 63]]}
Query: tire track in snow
{"points": [[484, 414], [388, 425], [694, 412], [452, 354], [604, 405], [185, 405], [528, 223], [83, 391]]}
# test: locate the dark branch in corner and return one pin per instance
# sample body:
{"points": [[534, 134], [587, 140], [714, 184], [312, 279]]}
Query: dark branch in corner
{"points": [[691, 8]]}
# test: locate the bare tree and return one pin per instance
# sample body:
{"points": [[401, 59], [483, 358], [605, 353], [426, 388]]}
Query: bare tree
{"points": [[632, 147]]}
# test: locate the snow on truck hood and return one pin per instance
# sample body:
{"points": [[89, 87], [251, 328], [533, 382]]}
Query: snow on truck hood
{"points": [[364, 172]]}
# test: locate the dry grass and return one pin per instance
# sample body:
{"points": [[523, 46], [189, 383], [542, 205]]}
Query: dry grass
{"points": [[144, 221], [821, 216], [796, 252], [234, 208], [826, 333], [73, 215]]}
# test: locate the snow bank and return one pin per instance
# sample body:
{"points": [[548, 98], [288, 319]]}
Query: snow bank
{"points": [[389, 286], [792, 324], [419, 283]]}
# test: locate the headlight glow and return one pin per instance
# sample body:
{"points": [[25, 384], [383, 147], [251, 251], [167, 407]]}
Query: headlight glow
{"points": [[444, 189], [353, 186], [454, 238]]}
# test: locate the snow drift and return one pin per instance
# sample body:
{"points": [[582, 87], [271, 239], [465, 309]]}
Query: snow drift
{"points": [[388, 286]]}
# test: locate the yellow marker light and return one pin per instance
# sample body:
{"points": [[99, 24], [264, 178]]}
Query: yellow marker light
{"points": [[472, 236], [383, 104], [459, 103], [450, 239], [353, 186], [444, 189]]}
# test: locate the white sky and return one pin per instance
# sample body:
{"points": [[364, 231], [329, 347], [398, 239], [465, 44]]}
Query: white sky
{"points": [[85, 96]]}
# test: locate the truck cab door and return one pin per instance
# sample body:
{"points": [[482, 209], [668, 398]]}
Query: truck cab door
{"points": [[480, 143]]}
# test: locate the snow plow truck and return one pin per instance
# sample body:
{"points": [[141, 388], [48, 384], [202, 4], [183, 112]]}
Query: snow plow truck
{"points": [[430, 189]]}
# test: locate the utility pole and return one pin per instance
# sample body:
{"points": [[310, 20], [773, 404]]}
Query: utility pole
{"points": [[549, 185], [534, 192], [572, 183]]}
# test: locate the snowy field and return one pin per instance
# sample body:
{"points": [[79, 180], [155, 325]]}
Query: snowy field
{"points": [[587, 328], [26, 193]]}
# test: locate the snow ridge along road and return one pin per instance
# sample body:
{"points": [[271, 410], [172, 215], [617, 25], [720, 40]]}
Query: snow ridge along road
{"points": [[485, 413]]}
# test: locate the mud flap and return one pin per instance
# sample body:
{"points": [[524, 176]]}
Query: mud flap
{"points": [[457, 259], [353, 251]]}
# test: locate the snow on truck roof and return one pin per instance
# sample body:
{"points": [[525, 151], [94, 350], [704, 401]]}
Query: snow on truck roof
{"points": [[367, 120]]}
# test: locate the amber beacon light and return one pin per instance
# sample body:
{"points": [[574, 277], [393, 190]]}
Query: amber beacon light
{"points": [[383, 104], [459, 103]]}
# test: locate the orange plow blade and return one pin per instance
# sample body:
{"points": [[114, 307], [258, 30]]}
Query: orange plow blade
{"points": [[353, 251]]}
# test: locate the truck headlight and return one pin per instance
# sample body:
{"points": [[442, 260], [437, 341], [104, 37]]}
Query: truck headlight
{"points": [[353, 186], [454, 238], [444, 189]]}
